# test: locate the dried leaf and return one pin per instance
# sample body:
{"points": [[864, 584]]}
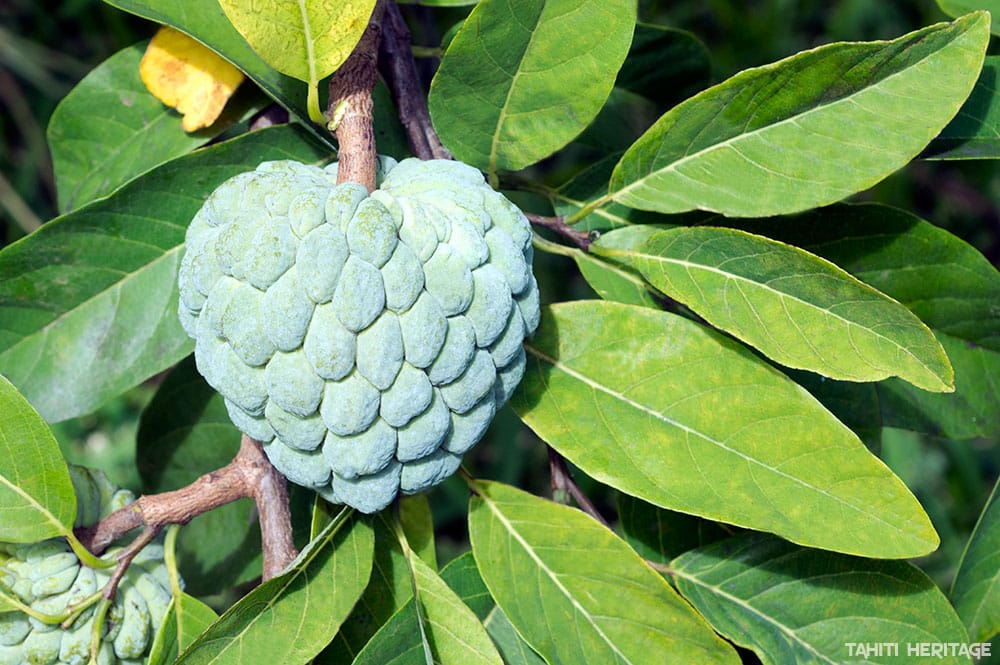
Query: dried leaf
{"points": [[182, 73]]}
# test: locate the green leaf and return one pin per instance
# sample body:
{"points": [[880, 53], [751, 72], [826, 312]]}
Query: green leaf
{"points": [[89, 303], [93, 154], [521, 79], [844, 115], [665, 65], [305, 40], [297, 613], [205, 21], [186, 618], [388, 590], [452, 632], [510, 644], [36, 495], [940, 278], [185, 432], [968, 412], [795, 606], [586, 187], [854, 404], [455, 634], [462, 575], [439, 3], [956, 8], [418, 525], [574, 590], [975, 131], [614, 282], [692, 421], [398, 642], [660, 535], [976, 589], [796, 308]]}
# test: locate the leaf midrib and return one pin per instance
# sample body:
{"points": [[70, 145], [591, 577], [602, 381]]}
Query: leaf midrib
{"points": [[750, 609], [783, 295], [116, 285], [673, 166], [691, 431], [551, 575], [495, 140], [32, 502]]}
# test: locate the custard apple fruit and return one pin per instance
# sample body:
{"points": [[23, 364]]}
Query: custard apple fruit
{"points": [[48, 577], [367, 340]]}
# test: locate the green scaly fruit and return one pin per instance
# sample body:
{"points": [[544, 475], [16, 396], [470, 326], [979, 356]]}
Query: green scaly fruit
{"points": [[48, 577], [366, 339]]}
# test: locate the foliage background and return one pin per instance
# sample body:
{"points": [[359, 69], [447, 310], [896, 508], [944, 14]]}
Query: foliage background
{"points": [[45, 48]]}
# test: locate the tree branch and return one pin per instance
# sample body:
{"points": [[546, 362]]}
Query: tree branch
{"points": [[249, 475], [400, 73], [581, 239], [351, 109]]}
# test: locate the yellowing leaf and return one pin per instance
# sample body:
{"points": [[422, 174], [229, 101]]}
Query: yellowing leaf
{"points": [[182, 73], [306, 39]]}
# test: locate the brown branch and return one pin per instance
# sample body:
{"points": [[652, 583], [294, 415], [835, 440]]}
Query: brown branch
{"points": [[400, 73], [351, 109], [581, 239], [271, 497], [249, 475], [125, 559], [562, 481]]}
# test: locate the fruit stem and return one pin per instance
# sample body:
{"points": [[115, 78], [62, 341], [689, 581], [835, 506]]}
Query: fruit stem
{"points": [[351, 109]]}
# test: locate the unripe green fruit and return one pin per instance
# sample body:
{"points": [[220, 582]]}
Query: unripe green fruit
{"points": [[367, 340], [48, 577]]}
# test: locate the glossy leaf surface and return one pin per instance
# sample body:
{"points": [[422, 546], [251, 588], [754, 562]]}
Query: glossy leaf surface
{"points": [[306, 39], [957, 8], [796, 308], [976, 589], [575, 591], [92, 155], [186, 618], [456, 635], [975, 131], [806, 131], [522, 78], [88, 303], [297, 613], [692, 421], [36, 496], [388, 590], [795, 606], [943, 280], [206, 22]]}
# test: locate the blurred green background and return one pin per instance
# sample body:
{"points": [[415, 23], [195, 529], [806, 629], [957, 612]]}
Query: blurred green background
{"points": [[45, 48]]}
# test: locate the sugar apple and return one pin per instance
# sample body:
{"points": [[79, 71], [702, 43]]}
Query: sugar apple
{"points": [[367, 340], [49, 578]]}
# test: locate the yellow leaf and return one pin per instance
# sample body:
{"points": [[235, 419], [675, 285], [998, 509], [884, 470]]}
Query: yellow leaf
{"points": [[305, 39], [182, 73]]}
